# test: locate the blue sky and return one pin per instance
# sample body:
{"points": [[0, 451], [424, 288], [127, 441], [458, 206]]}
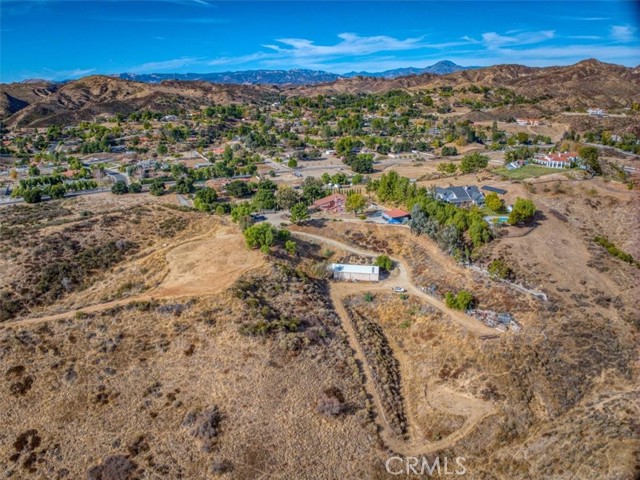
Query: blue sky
{"points": [[72, 38]]}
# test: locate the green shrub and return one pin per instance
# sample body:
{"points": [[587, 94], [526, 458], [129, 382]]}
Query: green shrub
{"points": [[615, 251], [119, 188], [499, 269], [384, 262], [462, 301]]}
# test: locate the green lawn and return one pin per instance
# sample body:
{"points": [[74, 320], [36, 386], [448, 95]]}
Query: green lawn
{"points": [[528, 171]]}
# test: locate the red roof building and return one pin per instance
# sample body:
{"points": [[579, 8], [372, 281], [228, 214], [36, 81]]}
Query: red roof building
{"points": [[333, 203]]}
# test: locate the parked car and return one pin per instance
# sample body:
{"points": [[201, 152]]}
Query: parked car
{"points": [[399, 290]]}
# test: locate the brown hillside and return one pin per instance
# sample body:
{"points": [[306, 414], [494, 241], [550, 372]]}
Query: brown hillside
{"points": [[585, 84], [16, 96], [101, 95]]}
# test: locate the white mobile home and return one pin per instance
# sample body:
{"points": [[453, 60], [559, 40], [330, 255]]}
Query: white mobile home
{"points": [[358, 273]]}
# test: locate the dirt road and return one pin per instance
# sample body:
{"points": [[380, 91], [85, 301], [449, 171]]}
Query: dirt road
{"points": [[190, 272], [439, 398], [403, 279]]}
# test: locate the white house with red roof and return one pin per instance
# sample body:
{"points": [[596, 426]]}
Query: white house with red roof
{"points": [[556, 160]]}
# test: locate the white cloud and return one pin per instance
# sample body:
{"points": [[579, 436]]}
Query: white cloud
{"points": [[622, 33], [584, 37], [300, 52], [51, 74], [351, 44], [493, 40], [172, 64]]}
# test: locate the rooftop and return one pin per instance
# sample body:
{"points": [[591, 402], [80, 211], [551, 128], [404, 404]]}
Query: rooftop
{"points": [[341, 267], [396, 213]]}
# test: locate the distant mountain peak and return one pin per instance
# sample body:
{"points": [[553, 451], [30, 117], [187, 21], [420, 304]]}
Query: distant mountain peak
{"points": [[296, 76]]}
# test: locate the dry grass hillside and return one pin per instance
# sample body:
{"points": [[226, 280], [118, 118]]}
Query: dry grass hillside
{"points": [[578, 86], [146, 341], [92, 96], [16, 96]]}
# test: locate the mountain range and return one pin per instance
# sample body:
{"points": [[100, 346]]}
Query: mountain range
{"points": [[292, 77], [585, 84]]}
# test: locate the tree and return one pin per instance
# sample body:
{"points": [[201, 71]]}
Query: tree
{"points": [[362, 163], [493, 202], [238, 189], [264, 199], [184, 185], [312, 190], [262, 236], [447, 167], [162, 149], [241, 214], [119, 188], [32, 195], [135, 187], [34, 171], [286, 197], [339, 178], [345, 145], [178, 170], [590, 157], [205, 199], [299, 213], [292, 163], [523, 210], [462, 301], [290, 247], [449, 151], [384, 262], [473, 162], [157, 187], [479, 232], [522, 137], [57, 191], [355, 203]]}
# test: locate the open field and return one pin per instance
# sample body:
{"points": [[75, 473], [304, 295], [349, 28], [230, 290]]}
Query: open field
{"points": [[162, 360], [528, 171]]}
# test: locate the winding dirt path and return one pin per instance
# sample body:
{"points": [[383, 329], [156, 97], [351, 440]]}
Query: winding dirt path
{"points": [[204, 265], [192, 273], [440, 398], [403, 279]]}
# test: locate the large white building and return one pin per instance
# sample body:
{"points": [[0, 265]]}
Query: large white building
{"points": [[359, 273], [556, 160]]}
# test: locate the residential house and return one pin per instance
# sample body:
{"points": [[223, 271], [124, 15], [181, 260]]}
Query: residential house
{"points": [[396, 216], [556, 160], [334, 203], [461, 196]]}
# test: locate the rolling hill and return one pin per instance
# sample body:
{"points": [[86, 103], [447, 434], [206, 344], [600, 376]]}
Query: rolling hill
{"points": [[555, 89]]}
